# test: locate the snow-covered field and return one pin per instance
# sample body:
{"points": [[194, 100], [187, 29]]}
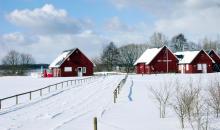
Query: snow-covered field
{"points": [[11, 85], [74, 108]]}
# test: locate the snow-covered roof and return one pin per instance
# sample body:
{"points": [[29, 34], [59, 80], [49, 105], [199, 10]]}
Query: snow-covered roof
{"points": [[61, 58], [148, 56], [186, 57], [214, 53]]}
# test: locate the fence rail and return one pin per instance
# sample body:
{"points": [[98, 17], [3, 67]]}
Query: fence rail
{"points": [[119, 87], [48, 88]]}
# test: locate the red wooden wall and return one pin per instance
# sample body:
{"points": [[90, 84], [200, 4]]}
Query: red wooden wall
{"points": [[159, 63], [75, 60]]}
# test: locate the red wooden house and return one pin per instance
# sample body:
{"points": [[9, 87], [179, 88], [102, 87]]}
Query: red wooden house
{"points": [[194, 62], [156, 60], [216, 58], [71, 63]]}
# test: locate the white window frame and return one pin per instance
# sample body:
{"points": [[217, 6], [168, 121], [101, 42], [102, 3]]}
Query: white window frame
{"points": [[199, 66], [187, 67], [68, 69], [84, 70], [180, 67]]}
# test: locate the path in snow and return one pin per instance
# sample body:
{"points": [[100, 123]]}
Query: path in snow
{"points": [[70, 109], [135, 110]]}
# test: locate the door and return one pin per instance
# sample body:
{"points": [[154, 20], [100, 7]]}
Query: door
{"points": [[204, 68], [182, 69], [79, 71]]}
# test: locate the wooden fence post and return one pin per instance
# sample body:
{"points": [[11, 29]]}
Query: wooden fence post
{"points": [[0, 104], [30, 95], [56, 87], [40, 92], [119, 89], [62, 84], [95, 123], [116, 93], [16, 99], [114, 97]]}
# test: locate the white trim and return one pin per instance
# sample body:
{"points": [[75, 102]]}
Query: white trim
{"points": [[84, 70], [67, 69], [79, 73], [187, 67], [199, 66]]}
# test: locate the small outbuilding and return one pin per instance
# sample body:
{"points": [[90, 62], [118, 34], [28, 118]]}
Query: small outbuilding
{"points": [[71, 63], [216, 58], [156, 60], [194, 62]]}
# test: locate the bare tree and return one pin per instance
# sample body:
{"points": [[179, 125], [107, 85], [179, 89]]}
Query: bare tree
{"points": [[190, 105], [12, 59], [214, 97], [200, 115], [98, 64], [26, 59], [179, 106], [209, 44], [162, 96], [189, 98], [129, 54], [16, 62], [158, 40]]}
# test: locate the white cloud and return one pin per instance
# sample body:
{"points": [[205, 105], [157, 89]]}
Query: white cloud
{"points": [[114, 24], [159, 7], [122, 33], [194, 18], [46, 47], [200, 19], [47, 19], [49, 32]]}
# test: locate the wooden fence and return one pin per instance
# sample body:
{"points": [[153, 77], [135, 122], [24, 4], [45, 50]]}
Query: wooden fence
{"points": [[118, 88], [56, 86]]}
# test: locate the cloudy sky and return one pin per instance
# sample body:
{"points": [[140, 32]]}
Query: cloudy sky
{"points": [[44, 28]]}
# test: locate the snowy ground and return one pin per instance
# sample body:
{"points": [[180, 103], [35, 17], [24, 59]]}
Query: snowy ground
{"points": [[11, 85], [74, 108]]}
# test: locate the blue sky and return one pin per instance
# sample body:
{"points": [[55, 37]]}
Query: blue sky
{"points": [[44, 26]]}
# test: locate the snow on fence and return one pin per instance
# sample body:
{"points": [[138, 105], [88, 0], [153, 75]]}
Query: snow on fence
{"points": [[118, 88], [45, 90]]}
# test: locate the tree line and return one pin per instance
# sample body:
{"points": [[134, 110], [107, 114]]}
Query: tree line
{"points": [[16, 63], [112, 57], [122, 58]]}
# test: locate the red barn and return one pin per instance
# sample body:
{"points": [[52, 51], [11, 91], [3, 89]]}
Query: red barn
{"points": [[194, 62], [156, 60], [71, 63], [216, 58]]}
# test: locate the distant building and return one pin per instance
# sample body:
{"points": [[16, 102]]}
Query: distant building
{"points": [[216, 58], [71, 63], [194, 62], [156, 60]]}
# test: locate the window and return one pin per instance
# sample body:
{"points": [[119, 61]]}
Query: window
{"points": [[187, 67], [67, 69], [180, 67], [199, 66], [84, 70]]}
